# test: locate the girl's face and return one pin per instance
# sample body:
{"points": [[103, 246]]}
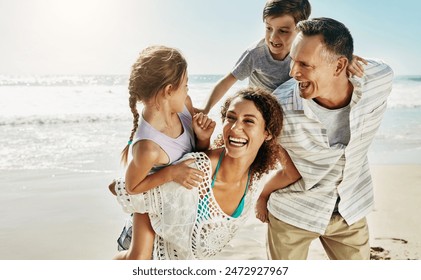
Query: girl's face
{"points": [[243, 129], [178, 96]]}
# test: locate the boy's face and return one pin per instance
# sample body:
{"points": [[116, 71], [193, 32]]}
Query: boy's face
{"points": [[280, 32]]}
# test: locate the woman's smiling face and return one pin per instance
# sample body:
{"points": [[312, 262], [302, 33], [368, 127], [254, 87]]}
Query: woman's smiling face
{"points": [[243, 129]]}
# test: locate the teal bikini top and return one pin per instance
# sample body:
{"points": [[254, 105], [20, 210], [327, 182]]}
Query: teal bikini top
{"points": [[240, 206]]}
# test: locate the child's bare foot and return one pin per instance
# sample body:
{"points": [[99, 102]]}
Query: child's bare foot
{"points": [[261, 209], [111, 187]]}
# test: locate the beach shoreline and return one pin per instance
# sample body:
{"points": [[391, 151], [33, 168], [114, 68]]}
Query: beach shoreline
{"points": [[62, 215]]}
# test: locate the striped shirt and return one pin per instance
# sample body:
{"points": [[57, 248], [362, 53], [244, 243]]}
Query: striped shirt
{"points": [[329, 172]]}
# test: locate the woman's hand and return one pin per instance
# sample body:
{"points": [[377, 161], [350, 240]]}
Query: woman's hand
{"points": [[262, 209], [199, 110], [203, 126]]}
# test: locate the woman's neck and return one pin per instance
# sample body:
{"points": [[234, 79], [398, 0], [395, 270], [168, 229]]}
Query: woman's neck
{"points": [[233, 170]]}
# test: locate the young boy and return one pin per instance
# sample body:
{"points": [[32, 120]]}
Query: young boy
{"points": [[267, 62]]}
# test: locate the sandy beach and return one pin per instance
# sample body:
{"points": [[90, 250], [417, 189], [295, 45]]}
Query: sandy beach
{"points": [[60, 215]]}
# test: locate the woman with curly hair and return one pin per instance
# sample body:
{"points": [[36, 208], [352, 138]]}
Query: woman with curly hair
{"points": [[198, 223]]}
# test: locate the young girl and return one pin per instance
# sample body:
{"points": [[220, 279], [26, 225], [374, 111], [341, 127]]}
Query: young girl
{"points": [[162, 134]]}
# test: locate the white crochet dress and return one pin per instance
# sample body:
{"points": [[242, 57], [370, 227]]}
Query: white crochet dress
{"points": [[185, 230]]}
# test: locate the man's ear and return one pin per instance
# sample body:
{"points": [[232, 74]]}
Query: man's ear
{"points": [[341, 65]]}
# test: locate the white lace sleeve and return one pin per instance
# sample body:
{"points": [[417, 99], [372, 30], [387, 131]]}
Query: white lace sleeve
{"points": [[130, 203]]}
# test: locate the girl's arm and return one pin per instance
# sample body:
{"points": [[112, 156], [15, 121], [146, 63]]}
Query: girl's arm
{"points": [[145, 157], [281, 179]]}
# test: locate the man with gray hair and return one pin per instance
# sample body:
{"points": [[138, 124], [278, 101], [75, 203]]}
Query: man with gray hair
{"points": [[330, 121]]}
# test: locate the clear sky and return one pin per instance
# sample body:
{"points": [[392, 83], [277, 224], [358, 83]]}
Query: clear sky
{"points": [[105, 36]]}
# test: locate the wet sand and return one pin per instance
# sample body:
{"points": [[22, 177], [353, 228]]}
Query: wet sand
{"points": [[61, 215]]}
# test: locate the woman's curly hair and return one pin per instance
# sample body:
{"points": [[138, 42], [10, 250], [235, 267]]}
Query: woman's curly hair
{"points": [[268, 155]]}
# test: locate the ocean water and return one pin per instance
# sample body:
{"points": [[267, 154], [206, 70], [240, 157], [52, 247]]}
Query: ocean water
{"points": [[81, 123]]}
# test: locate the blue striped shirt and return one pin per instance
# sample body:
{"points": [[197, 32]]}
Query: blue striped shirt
{"points": [[329, 172]]}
